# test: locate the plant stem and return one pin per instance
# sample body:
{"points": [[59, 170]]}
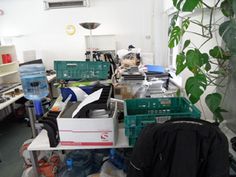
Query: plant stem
{"points": [[217, 3], [195, 22], [197, 34], [205, 42]]}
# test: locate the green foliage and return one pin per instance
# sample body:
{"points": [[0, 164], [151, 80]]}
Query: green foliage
{"points": [[178, 93], [234, 6], [195, 60], [177, 33], [186, 44], [198, 62], [195, 87], [185, 25], [186, 5], [226, 8], [227, 31], [181, 63], [173, 23], [219, 53], [213, 102], [175, 36]]}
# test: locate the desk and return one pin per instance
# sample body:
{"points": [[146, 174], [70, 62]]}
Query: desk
{"points": [[17, 97], [12, 99], [41, 143]]}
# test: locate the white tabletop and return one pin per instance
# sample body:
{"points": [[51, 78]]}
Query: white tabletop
{"points": [[12, 99], [17, 97], [41, 143]]}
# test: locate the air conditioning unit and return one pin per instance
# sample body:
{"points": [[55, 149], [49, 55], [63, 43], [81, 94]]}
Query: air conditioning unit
{"points": [[60, 4]]}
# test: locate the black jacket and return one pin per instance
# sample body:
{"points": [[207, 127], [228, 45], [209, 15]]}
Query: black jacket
{"points": [[180, 148]]}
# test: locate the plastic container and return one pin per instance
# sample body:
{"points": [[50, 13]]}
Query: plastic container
{"points": [[82, 70], [34, 81], [141, 112], [81, 163], [6, 58], [68, 171]]}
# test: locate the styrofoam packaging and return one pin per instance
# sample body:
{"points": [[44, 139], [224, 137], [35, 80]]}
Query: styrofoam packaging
{"points": [[88, 131]]}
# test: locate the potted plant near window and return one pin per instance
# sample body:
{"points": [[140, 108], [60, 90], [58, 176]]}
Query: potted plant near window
{"points": [[217, 66]]}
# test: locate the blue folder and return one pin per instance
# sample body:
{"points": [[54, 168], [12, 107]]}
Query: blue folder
{"points": [[155, 68]]}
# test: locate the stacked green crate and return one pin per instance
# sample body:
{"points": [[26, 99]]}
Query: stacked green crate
{"points": [[82, 70], [140, 112]]}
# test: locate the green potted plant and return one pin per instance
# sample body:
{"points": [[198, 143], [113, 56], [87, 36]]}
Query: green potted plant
{"points": [[215, 67]]}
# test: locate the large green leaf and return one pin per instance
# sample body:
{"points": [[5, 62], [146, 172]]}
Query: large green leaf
{"points": [[227, 30], [186, 5], [195, 60], [185, 25], [195, 87], [173, 23], [218, 114], [180, 63], [176, 33], [234, 6], [219, 53], [227, 8], [192, 60], [208, 66], [186, 44], [213, 102], [174, 37]]}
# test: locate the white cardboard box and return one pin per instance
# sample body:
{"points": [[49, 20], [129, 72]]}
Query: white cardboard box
{"points": [[88, 131]]}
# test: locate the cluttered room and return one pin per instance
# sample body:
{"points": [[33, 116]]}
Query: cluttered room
{"points": [[108, 88]]}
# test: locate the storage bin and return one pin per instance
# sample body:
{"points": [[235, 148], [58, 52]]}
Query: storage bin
{"points": [[82, 70], [140, 112]]}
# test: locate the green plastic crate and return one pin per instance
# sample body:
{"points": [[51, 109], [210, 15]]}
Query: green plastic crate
{"points": [[140, 112], [82, 70]]}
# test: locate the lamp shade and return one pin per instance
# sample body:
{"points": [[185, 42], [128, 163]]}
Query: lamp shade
{"points": [[90, 25]]}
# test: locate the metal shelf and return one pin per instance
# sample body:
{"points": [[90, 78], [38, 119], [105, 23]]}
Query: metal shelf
{"points": [[8, 73], [41, 143]]}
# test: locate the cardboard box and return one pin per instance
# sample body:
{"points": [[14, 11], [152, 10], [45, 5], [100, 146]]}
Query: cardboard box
{"points": [[87, 131]]}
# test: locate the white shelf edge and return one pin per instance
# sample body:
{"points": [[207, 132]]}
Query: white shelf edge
{"points": [[8, 64], [2, 46], [41, 143], [12, 99], [8, 73]]}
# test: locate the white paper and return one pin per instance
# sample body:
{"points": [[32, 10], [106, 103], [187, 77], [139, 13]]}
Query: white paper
{"points": [[89, 99], [80, 94]]}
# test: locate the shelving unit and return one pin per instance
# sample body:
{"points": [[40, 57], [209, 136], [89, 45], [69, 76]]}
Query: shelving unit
{"points": [[10, 49], [102, 42], [41, 143], [9, 75], [9, 71], [12, 99]]}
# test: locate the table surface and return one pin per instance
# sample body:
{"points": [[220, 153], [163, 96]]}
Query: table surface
{"points": [[17, 97], [41, 143], [12, 99]]}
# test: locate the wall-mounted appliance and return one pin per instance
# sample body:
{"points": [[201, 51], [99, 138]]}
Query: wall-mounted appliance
{"points": [[60, 4]]}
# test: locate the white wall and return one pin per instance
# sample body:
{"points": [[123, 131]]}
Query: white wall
{"points": [[160, 33], [44, 31], [168, 4]]}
